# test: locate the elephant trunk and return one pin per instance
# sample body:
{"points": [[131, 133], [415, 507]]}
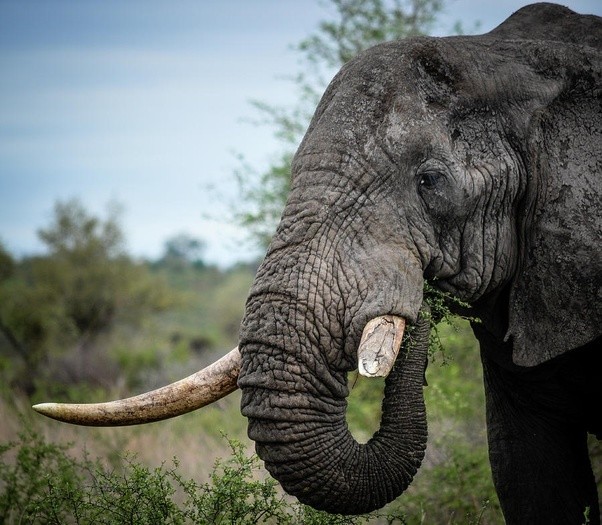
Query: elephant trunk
{"points": [[303, 438]]}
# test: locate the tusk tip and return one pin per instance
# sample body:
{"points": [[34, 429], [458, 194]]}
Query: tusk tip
{"points": [[52, 410], [42, 408]]}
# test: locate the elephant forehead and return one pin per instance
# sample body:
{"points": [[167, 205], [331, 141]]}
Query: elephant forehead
{"points": [[390, 91], [403, 133], [356, 121]]}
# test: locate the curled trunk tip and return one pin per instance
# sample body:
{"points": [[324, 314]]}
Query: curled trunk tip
{"points": [[306, 444]]}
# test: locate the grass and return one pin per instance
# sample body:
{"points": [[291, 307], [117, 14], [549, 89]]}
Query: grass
{"points": [[41, 482]]}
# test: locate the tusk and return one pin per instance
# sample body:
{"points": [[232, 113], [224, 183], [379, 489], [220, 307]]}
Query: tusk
{"points": [[380, 345], [193, 392]]}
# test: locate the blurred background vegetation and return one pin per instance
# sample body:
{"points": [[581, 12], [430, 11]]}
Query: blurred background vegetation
{"points": [[84, 322]]}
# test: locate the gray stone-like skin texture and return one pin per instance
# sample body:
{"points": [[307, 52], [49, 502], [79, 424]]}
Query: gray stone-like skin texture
{"points": [[474, 162]]}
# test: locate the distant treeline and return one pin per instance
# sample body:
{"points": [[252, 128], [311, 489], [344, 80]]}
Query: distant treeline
{"points": [[86, 313]]}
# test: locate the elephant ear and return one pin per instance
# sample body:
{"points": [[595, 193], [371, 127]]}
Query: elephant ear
{"points": [[556, 297]]}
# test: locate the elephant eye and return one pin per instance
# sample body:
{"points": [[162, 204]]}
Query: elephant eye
{"points": [[429, 179]]}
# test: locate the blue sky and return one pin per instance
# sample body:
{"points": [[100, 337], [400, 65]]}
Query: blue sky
{"points": [[144, 102]]}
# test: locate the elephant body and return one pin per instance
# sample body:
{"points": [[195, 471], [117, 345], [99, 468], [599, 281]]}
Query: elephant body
{"points": [[473, 162]]}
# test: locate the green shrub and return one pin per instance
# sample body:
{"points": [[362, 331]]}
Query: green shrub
{"points": [[41, 483], [233, 495], [28, 483]]}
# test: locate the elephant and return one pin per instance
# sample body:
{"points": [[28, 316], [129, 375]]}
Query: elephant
{"points": [[472, 162]]}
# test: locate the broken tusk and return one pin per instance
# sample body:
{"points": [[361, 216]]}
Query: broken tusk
{"points": [[193, 392], [380, 345]]}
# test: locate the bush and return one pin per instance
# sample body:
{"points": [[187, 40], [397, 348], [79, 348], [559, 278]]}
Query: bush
{"points": [[40, 470], [41, 483], [57, 310]]}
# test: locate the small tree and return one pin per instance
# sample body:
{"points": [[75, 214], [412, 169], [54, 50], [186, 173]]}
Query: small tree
{"points": [[74, 233], [355, 26], [7, 264], [79, 290], [183, 250]]}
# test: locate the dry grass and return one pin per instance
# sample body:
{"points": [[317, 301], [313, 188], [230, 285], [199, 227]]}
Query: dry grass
{"points": [[195, 439]]}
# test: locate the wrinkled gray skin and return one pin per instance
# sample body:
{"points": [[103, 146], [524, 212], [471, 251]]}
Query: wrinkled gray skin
{"points": [[473, 161]]}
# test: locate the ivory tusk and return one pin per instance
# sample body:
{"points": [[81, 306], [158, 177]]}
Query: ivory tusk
{"points": [[379, 345], [193, 392]]}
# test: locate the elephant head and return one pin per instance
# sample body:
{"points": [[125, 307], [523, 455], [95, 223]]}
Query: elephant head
{"points": [[470, 161]]}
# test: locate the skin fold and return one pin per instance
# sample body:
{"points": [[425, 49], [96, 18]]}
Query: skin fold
{"points": [[473, 162]]}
